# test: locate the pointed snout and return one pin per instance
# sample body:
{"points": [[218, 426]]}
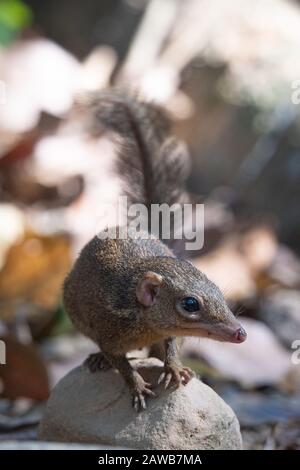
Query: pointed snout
{"points": [[239, 335]]}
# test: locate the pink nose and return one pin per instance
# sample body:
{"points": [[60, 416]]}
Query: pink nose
{"points": [[240, 335]]}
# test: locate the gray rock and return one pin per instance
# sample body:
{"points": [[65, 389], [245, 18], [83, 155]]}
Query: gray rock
{"points": [[33, 445], [96, 408]]}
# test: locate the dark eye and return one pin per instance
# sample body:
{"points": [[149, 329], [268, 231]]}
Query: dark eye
{"points": [[190, 304]]}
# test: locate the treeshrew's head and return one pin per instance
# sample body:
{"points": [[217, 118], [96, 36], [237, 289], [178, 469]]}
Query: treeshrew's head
{"points": [[180, 300]]}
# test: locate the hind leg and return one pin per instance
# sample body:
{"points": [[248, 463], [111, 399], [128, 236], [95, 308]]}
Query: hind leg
{"points": [[97, 361]]}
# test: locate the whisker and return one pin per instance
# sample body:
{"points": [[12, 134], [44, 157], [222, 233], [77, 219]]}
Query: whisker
{"points": [[241, 309]]}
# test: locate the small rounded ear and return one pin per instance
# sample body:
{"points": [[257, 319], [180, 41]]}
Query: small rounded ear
{"points": [[148, 288]]}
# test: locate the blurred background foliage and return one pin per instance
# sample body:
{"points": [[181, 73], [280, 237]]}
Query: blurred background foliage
{"points": [[15, 16]]}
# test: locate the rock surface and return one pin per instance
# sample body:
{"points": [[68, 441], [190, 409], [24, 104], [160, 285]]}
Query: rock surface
{"points": [[33, 445], [96, 408]]}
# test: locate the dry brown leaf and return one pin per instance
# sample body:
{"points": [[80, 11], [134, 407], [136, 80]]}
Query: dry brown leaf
{"points": [[33, 272], [24, 374]]}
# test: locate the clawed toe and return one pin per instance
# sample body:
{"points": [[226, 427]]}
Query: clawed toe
{"points": [[139, 394], [167, 377], [176, 375], [187, 374]]}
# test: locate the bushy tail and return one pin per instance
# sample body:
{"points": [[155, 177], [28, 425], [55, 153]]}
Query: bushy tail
{"points": [[153, 164]]}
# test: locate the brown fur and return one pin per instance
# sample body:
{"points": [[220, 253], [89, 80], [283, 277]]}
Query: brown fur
{"points": [[100, 293]]}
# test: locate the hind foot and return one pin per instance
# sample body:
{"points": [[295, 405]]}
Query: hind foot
{"points": [[97, 361]]}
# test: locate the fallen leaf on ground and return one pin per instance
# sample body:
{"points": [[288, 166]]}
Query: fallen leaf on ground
{"points": [[33, 273], [24, 374]]}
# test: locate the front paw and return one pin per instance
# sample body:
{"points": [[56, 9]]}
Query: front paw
{"points": [[176, 374], [139, 392]]}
